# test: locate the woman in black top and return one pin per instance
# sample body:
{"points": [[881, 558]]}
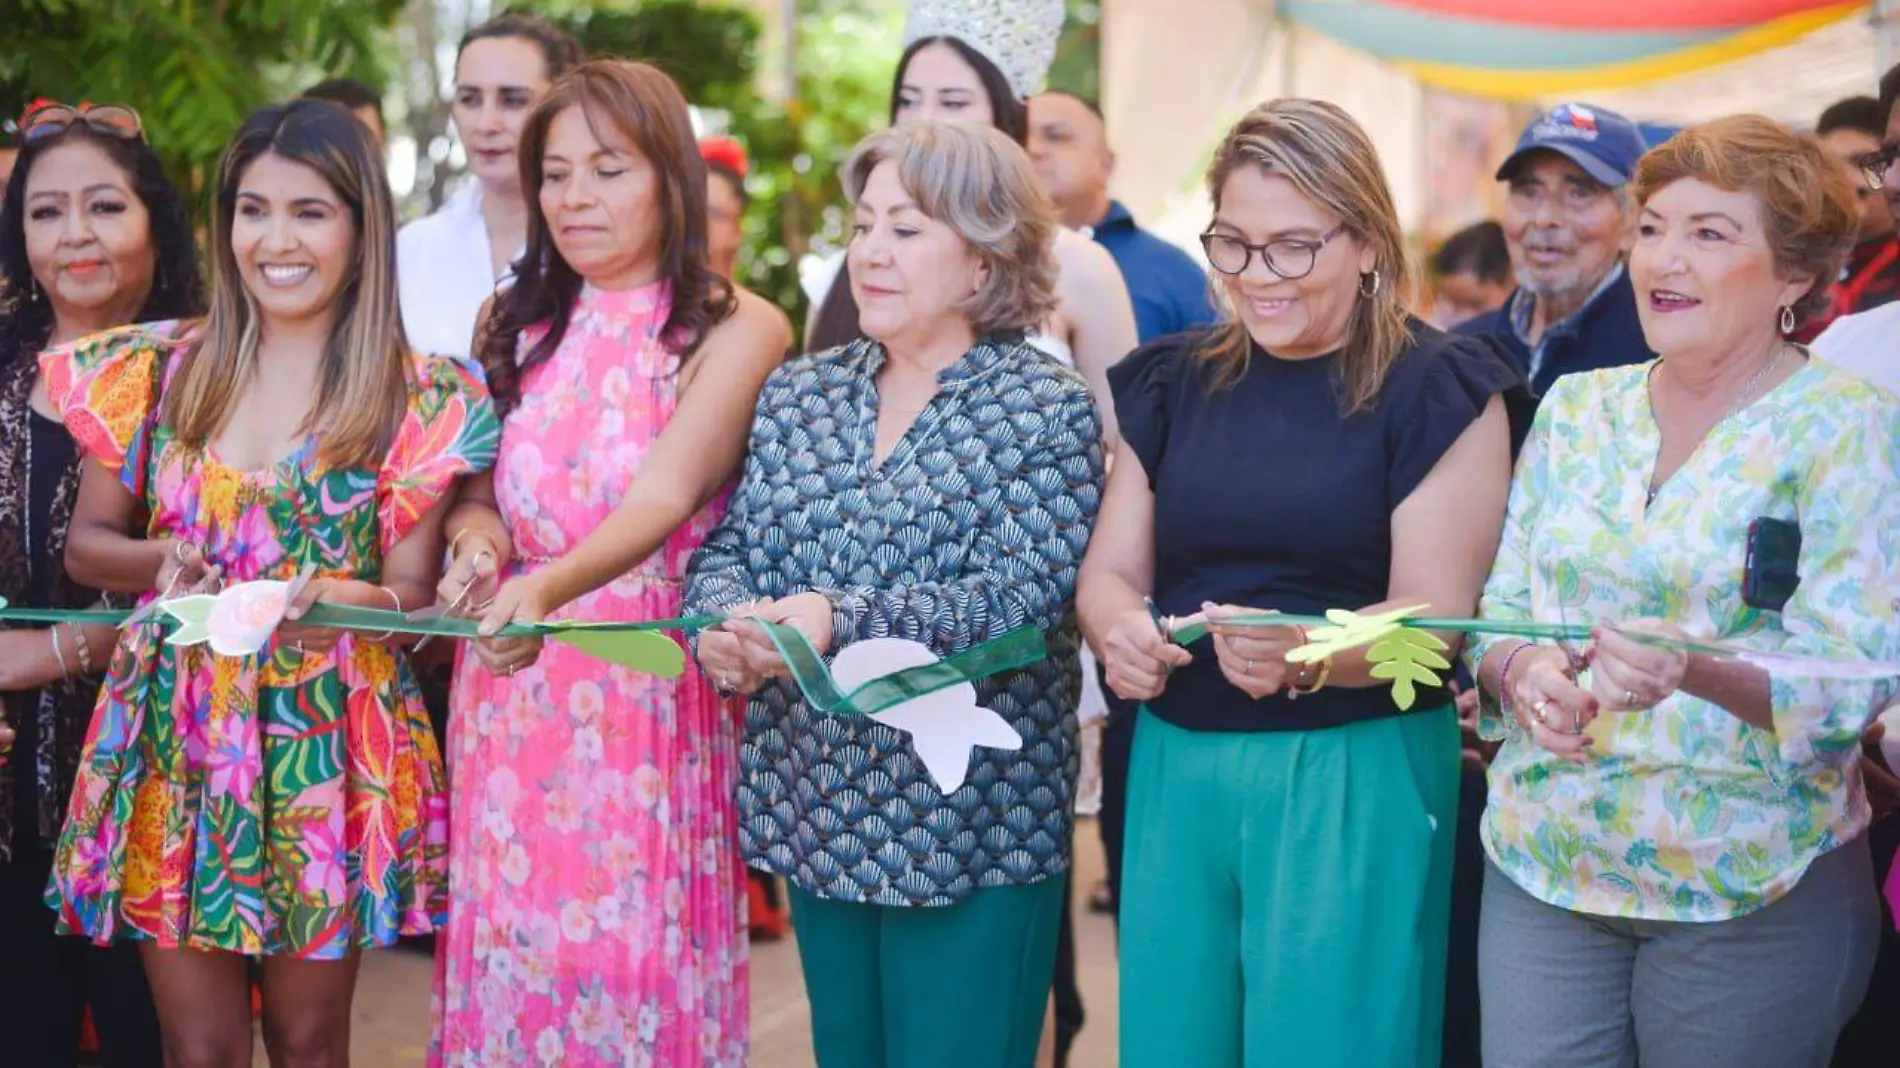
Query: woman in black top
{"points": [[1289, 830], [92, 236]]}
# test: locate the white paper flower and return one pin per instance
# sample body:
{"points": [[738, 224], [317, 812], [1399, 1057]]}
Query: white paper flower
{"points": [[943, 726], [246, 615]]}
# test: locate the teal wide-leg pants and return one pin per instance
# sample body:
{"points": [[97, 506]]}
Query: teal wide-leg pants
{"points": [[950, 987], [1285, 895]]}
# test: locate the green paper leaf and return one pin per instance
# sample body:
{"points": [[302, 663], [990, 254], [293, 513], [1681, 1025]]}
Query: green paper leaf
{"points": [[194, 612], [645, 651], [1415, 646], [1350, 630]]}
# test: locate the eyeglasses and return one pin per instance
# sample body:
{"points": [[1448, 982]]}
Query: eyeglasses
{"points": [[50, 117], [1875, 165], [1289, 257]]}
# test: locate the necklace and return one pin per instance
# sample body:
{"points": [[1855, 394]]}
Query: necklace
{"points": [[1755, 381], [1735, 406]]}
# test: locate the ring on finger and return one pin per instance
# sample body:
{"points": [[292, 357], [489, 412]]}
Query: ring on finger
{"points": [[1629, 699], [1537, 711]]}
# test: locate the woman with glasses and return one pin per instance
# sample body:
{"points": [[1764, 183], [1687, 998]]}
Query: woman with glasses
{"points": [[1287, 874], [286, 806], [92, 236]]}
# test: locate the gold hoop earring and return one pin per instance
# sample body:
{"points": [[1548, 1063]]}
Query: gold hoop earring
{"points": [[1787, 319]]}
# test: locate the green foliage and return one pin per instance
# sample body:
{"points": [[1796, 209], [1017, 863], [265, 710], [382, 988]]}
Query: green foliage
{"points": [[710, 49], [192, 68]]}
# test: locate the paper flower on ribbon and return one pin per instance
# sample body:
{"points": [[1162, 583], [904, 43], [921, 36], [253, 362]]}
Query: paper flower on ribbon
{"points": [[1406, 657], [944, 725], [238, 621]]}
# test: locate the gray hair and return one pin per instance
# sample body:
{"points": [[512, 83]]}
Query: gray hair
{"points": [[975, 180]]}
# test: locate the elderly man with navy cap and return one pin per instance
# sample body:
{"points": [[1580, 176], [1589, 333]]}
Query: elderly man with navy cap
{"points": [[1566, 220]]}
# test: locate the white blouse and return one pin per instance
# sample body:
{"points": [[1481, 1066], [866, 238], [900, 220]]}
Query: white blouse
{"points": [[443, 274]]}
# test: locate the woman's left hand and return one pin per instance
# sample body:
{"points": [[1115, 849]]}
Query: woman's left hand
{"points": [[809, 613], [521, 600], [1252, 657], [1628, 676]]}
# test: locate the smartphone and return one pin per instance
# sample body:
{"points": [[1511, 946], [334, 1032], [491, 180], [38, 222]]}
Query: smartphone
{"points": [[1769, 576]]}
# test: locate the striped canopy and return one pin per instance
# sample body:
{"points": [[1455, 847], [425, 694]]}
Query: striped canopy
{"points": [[1528, 49]]}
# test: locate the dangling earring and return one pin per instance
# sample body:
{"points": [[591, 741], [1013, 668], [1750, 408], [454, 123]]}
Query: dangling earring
{"points": [[32, 291], [1369, 288], [1787, 319]]}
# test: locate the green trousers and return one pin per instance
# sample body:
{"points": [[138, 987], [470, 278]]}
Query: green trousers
{"points": [[948, 987], [1285, 895]]}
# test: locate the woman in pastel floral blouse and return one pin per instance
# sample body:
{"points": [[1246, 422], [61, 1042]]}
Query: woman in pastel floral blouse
{"points": [[1677, 868], [934, 480]]}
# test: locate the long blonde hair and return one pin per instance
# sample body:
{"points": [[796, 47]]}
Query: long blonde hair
{"points": [[363, 383], [1328, 158]]}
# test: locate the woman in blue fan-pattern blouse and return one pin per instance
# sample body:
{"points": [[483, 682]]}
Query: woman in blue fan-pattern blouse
{"points": [[935, 480]]}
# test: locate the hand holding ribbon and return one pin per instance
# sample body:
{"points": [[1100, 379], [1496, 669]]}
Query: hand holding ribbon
{"points": [[1253, 658], [807, 613], [521, 601], [1628, 674]]}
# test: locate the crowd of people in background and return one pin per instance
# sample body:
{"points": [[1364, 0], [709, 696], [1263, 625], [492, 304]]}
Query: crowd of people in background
{"points": [[1656, 396]]}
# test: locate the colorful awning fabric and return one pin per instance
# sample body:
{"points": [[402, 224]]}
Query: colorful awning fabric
{"points": [[1512, 49]]}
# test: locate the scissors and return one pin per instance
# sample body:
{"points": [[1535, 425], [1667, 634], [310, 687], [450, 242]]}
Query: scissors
{"points": [[437, 611], [1164, 625]]}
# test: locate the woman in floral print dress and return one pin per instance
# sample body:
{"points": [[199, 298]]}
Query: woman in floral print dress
{"points": [[289, 804], [596, 899]]}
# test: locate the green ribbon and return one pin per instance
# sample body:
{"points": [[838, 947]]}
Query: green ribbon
{"points": [[1016, 649], [1519, 628]]}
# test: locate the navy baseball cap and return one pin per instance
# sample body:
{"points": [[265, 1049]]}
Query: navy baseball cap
{"points": [[1606, 145]]}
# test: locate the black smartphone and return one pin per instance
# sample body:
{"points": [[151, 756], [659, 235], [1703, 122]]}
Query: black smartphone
{"points": [[1770, 576]]}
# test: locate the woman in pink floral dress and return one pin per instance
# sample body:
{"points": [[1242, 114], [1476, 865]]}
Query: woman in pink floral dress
{"points": [[596, 905]]}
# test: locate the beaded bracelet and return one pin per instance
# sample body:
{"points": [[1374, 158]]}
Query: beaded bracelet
{"points": [[86, 663], [1504, 675]]}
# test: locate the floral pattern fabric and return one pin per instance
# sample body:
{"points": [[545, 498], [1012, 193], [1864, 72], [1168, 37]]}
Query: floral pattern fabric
{"points": [[1685, 812], [596, 899], [285, 803]]}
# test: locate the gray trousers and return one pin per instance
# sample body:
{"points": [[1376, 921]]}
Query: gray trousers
{"points": [[1771, 989]]}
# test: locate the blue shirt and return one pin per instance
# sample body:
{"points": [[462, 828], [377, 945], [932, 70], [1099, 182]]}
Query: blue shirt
{"points": [[1605, 332], [1168, 288], [974, 525]]}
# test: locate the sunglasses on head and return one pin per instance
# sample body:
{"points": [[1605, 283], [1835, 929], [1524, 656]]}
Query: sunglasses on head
{"points": [[50, 117]]}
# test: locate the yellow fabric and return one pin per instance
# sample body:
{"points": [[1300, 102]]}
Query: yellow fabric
{"points": [[1526, 84]]}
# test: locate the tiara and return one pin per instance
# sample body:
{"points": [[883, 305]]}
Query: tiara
{"points": [[1019, 36]]}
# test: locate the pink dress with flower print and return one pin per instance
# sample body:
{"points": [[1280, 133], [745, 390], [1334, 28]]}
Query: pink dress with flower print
{"points": [[595, 905]]}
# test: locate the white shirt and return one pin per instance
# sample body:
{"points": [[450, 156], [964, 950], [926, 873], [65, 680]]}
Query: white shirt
{"points": [[444, 273], [1866, 345]]}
